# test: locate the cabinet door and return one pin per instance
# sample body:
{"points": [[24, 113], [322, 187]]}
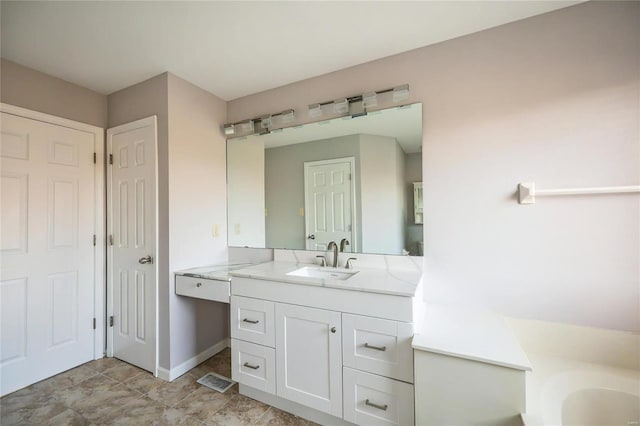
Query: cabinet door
{"points": [[308, 357]]}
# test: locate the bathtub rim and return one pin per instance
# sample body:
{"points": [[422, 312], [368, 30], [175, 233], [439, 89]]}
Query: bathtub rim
{"points": [[560, 386]]}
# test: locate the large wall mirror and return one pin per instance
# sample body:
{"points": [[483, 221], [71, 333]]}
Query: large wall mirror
{"points": [[356, 180]]}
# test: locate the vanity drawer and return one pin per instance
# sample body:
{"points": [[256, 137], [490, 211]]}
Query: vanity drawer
{"points": [[373, 400], [253, 365], [253, 320], [203, 288], [378, 346]]}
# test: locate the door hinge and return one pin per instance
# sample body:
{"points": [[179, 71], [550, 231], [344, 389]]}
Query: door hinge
{"points": [[110, 158], [95, 158], [94, 323], [94, 239], [110, 240], [111, 321]]}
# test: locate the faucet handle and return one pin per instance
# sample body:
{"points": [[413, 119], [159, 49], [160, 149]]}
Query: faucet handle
{"points": [[323, 260], [348, 265]]}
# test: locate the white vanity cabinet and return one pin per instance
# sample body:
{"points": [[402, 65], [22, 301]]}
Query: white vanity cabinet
{"points": [[342, 354]]}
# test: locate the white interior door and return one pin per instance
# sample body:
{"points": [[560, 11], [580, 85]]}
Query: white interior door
{"points": [[329, 202], [47, 250], [133, 234]]}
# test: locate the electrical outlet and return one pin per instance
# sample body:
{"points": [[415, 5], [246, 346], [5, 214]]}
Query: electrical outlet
{"points": [[236, 229], [216, 230], [301, 211]]}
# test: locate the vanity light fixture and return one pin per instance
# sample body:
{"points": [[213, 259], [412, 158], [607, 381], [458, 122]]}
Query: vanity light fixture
{"points": [[401, 93], [370, 99], [229, 129], [259, 125], [341, 106], [288, 116], [315, 110], [266, 121], [357, 105], [246, 127]]}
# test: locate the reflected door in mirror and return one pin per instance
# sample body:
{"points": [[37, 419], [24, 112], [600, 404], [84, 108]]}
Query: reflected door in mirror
{"points": [[329, 199]]}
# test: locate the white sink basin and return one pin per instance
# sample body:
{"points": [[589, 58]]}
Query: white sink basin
{"points": [[327, 273]]}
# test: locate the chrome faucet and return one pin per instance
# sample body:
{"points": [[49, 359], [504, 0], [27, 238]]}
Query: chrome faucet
{"points": [[343, 242], [334, 246]]}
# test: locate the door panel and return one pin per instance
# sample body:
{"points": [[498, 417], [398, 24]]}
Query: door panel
{"points": [[47, 266], [133, 227], [329, 202], [309, 358]]}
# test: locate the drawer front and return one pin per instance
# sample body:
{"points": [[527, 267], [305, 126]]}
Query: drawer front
{"points": [[253, 320], [373, 400], [203, 288], [378, 346], [253, 365]]}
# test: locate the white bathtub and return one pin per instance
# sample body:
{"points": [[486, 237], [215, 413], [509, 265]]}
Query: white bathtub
{"points": [[563, 392]]}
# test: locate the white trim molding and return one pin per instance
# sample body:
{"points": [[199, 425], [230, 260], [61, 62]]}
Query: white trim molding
{"points": [[179, 370]]}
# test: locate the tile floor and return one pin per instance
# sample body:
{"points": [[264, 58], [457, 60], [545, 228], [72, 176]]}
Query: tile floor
{"points": [[111, 392]]}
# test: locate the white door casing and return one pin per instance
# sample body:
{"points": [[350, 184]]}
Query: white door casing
{"points": [[133, 232], [309, 357], [329, 202], [51, 275]]}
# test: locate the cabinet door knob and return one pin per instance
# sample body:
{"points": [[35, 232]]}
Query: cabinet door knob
{"points": [[199, 285], [333, 329]]}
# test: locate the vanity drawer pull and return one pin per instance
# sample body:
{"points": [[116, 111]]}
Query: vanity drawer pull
{"points": [[198, 284], [255, 367], [377, 348], [251, 321], [374, 405]]}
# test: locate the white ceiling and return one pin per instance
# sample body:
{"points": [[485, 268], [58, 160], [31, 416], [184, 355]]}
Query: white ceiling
{"points": [[236, 48]]}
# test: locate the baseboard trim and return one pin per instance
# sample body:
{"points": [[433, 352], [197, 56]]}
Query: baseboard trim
{"points": [[179, 370], [164, 374]]}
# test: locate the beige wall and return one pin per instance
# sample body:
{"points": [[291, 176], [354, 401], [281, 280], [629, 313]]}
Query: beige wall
{"points": [[31, 89], [551, 99], [133, 103], [197, 201]]}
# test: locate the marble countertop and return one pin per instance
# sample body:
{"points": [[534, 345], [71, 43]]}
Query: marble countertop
{"points": [[392, 281], [473, 335], [218, 272]]}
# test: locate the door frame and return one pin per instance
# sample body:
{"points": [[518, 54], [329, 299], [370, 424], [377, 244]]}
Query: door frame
{"points": [[352, 161], [143, 122], [99, 260]]}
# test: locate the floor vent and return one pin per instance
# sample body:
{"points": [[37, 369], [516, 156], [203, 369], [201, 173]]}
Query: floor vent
{"points": [[216, 382]]}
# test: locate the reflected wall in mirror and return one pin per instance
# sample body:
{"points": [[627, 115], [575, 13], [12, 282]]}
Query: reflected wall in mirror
{"points": [[347, 179]]}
